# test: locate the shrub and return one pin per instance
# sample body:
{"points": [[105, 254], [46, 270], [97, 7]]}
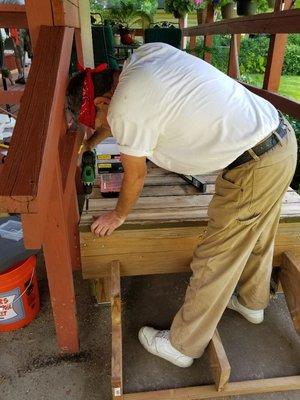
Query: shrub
{"points": [[253, 54]]}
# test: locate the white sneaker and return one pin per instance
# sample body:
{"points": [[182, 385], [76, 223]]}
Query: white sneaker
{"points": [[158, 343], [254, 316]]}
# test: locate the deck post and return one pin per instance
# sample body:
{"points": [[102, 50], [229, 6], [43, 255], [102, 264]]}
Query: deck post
{"points": [[59, 268]]}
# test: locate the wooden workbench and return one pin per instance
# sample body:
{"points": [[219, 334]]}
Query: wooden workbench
{"points": [[165, 226], [159, 236]]}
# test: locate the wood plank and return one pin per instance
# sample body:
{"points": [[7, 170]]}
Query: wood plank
{"points": [[168, 239], [11, 96], [13, 16], [277, 22], [65, 13], [27, 172], [180, 214], [154, 202], [270, 385], [161, 250], [208, 40], [218, 362], [58, 261], [149, 241], [39, 13], [276, 54], [116, 320], [283, 103], [290, 279], [290, 200], [233, 62], [138, 263], [101, 290]]}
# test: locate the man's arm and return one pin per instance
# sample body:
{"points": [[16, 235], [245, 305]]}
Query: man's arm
{"points": [[135, 170]]}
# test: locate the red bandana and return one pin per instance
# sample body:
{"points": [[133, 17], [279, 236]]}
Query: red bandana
{"points": [[87, 112]]}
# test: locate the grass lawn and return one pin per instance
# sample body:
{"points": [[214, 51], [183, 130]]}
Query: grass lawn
{"points": [[289, 85]]}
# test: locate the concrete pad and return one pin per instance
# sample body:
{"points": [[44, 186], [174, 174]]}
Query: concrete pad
{"points": [[32, 369]]}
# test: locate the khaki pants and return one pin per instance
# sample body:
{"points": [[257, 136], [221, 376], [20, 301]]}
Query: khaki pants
{"points": [[238, 248]]}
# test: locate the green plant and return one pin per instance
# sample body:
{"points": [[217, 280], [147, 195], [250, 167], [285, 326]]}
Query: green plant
{"points": [[182, 7], [221, 3], [127, 13], [178, 6]]}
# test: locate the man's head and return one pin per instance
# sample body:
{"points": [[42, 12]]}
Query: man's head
{"points": [[104, 86]]}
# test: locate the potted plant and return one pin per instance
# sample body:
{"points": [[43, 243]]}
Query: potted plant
{"points": [[124, 15], [227, 9], [179, 8], [246, 7]]}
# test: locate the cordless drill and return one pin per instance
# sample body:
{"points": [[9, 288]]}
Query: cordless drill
{"points": [[88, 173]]}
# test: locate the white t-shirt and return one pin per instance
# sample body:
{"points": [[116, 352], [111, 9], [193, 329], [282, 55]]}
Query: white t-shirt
{"points": [[183, 114]]}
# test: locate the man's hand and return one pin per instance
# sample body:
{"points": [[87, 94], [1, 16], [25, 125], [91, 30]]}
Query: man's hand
{"points": [[135, 170], [107, 223]]}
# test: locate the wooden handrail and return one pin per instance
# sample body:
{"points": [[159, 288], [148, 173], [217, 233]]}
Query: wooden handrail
{"points": [[277, 22], [11, 96], [27, 175], [284, 104]]}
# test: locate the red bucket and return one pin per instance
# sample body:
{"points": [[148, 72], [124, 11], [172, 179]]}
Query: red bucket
{"points": [[19, 295]]}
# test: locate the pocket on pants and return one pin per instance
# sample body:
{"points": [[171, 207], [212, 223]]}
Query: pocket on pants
{"points": [[269, 184]]}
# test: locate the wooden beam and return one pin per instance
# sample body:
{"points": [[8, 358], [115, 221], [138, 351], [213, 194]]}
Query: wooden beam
{"points": [[193, 45], [284, 104], [101, 290], [86, 33], [25, 179], [116, 318], [277, 22], [210, 392], [66, 13], [290, 279], [208, 40], [11, 96], [276, 54], [233, 63], [13, 16], [57, 251], [218, 362], [39, 13]]}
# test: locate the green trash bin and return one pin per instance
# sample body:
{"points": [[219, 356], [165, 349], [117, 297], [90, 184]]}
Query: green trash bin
{"points": [[164, 33], [103, 45]]}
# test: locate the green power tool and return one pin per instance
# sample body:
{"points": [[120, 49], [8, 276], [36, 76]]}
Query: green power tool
{"points": [[88, 173]]}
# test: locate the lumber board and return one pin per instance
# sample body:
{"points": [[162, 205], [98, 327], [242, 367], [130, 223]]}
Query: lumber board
{"points": [[65, 13], [57, 247], [26, 176], [116, 358], [101, 289], [233, 61], [283, 103], [161, 250], [232, 389], [290, 279], [277, 22], [218, 362], [13, 16], [139, 263], [177, 214]]}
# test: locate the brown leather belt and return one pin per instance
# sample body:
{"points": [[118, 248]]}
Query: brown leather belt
{"points": [[266, 145]]}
